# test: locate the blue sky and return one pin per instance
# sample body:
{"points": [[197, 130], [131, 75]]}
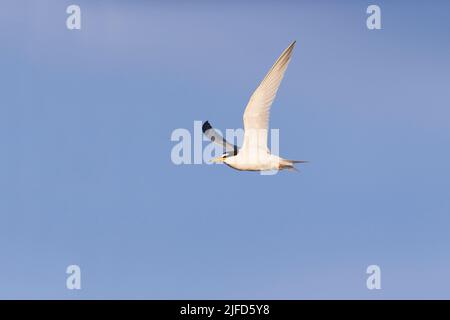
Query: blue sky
{"points": [[86, 176]]}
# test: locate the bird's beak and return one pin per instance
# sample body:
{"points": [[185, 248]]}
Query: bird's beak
{"points": [[217, 160]]}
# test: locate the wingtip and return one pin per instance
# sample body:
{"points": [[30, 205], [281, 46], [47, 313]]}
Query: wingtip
{"points": [[291, 46], [206, 126]]}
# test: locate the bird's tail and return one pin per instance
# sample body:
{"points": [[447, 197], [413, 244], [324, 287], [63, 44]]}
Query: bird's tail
{"points": [[289, 164]]}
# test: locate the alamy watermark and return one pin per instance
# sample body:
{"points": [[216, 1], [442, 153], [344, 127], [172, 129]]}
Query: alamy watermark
{"points": [[73, 21], [73, 281], [190, 148], [374, 279], [373, 21]]}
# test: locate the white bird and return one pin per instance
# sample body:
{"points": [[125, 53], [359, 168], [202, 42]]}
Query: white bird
{"points": [[254, 154]]}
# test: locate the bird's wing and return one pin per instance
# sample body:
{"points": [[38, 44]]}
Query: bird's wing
{"points": [[256, 115], [215, 137]]}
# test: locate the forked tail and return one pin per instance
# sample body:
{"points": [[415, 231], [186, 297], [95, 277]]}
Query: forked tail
{"points": [[289, 164]]}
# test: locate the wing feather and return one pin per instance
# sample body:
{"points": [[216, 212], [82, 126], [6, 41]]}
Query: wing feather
{"points": [[215, 137], [257, 112]]}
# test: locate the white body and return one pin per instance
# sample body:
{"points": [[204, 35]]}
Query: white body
{"points": [[264, 162]]}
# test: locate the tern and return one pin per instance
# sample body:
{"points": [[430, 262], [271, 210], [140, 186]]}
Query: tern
{"points": [[254, 155]]}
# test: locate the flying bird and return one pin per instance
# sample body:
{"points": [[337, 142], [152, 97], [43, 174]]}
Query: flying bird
{"points": [[254, 155]]}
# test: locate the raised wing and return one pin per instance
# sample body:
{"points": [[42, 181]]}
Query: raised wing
{"points": [[215, 137], [257, 112]]}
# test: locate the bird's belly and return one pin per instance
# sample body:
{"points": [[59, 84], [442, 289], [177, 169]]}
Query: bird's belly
{"points": [[262, 165]]}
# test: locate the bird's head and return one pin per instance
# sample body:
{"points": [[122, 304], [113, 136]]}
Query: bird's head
{"points": [[222, 158]]}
